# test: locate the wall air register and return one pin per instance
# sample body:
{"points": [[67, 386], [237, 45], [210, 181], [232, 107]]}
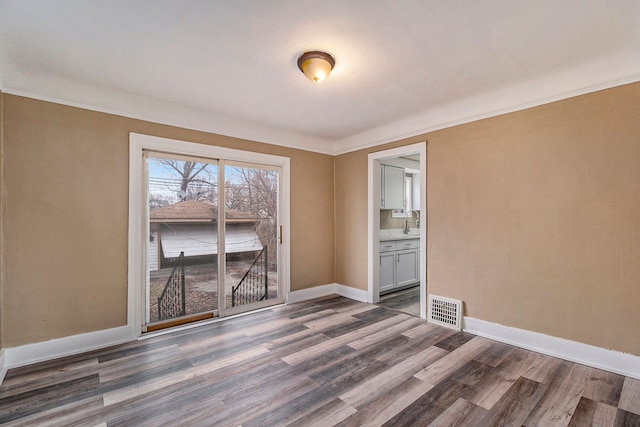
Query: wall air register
{"points": [[445, 312]]}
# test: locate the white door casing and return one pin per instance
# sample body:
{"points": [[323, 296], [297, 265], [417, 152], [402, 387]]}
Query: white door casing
{"points": [[373, 219]]}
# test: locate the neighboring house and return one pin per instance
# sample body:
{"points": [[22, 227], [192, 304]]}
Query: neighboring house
{"points": [[192, 227]]}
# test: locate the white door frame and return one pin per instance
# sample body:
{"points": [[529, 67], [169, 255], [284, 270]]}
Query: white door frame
{"points": [[138, 230], [374, 219]]}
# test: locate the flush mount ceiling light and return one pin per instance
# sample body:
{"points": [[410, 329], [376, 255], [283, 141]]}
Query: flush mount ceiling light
{"points": [[316, 65]]}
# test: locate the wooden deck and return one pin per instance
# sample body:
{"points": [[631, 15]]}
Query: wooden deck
{"points": [[325, 362]]}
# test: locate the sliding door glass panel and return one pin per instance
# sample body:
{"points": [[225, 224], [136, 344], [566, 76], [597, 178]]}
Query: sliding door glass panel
{"points": [[182, 244], [251, 201]]}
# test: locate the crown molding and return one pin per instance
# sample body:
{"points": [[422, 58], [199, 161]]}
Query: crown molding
{"points": [[490, 104]]}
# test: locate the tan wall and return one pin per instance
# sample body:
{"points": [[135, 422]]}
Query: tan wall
{"points": [[66, 213], [351, 220], [533, 218], [351, 214]]}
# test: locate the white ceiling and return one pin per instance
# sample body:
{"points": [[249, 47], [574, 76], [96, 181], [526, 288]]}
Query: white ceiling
{"points": [[403, 67]]}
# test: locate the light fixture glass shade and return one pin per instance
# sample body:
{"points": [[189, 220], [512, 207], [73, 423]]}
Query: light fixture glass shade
{"points": [[316, 65]]}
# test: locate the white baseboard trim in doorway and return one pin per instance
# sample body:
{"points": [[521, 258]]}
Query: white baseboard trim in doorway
{"points": [[326, 290], [13, 357], [597, 357]]}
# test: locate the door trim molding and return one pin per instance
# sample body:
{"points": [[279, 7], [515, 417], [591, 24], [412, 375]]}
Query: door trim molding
{"points": [[373, 219], [137, 227]]}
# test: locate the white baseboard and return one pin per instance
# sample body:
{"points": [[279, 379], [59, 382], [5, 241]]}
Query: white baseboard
{"points": [[3, 366], [13, 357], [597, 357], [609, 360], [326, 290], [310, 293], [352, 293]]}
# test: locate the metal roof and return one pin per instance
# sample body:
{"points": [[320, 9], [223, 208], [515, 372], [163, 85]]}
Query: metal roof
{"points": [[202, 239]]}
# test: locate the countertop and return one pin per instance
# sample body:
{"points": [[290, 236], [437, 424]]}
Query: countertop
{"points": [[397, 234]]}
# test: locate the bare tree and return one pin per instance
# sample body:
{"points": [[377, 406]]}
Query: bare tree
{"points": [[256, 190], [191, 185], [235, 196], [157, 200]]}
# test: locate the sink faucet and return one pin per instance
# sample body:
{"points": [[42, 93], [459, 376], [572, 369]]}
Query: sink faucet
{"points": [[406, 224]]}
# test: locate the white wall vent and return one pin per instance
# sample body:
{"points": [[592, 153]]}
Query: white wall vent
{"points": [[445, 312]]}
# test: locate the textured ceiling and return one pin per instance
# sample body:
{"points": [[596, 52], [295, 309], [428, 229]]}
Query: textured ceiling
{"points": [[402, 67]]}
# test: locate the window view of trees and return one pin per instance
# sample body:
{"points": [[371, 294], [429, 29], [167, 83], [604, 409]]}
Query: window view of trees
{"points": [[256, 191], [249, 190], [173, 181], [246, 189]]}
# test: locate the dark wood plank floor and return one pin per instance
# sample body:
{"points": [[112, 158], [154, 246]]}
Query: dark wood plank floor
{"points": [[325, 362], [406, 300]]}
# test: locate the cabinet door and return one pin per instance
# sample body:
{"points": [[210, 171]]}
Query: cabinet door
{"points": [[406, 267], [387, 270], [393, 187]]}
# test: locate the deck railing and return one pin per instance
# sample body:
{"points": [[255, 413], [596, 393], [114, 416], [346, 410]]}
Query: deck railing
{"points": [[172, 301], [254, 285]]}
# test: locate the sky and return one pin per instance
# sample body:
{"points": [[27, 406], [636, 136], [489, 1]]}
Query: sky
{"points": [[165, 182]]}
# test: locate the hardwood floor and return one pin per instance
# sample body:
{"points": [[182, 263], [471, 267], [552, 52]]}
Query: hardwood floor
{"points": [[324, 362], [406, 300]]}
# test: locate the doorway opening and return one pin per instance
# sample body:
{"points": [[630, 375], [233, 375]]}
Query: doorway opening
{"points": [[397, 227]]}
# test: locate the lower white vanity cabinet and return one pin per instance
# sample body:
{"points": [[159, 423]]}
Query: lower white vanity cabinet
{"points": [[387, 271], [399, 264]]}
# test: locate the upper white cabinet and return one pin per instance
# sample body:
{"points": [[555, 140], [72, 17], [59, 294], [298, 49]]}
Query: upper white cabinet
{"points": [[392, 187]]}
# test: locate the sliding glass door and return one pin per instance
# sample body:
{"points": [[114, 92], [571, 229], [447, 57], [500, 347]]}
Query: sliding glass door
{"points": [[182, 249], [250, 236], [209, 252]]}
